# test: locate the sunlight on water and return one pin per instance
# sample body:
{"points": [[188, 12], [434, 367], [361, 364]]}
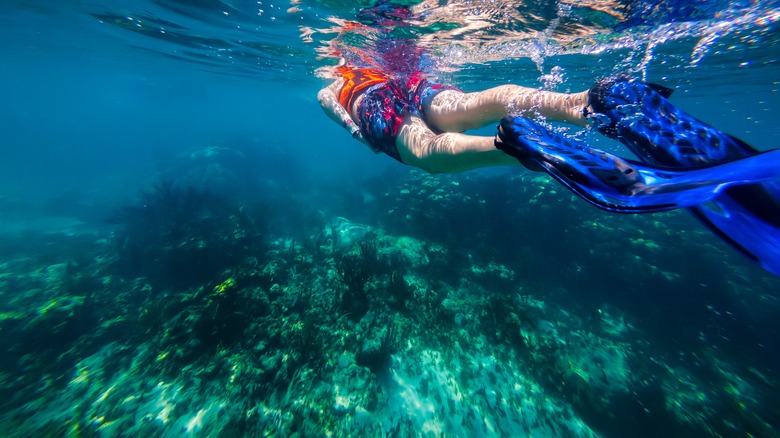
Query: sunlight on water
{"points": [[290, 40], [458, 36]]}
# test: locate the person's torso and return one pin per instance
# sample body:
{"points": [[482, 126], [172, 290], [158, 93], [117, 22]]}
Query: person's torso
{"points": [[356, 82]]}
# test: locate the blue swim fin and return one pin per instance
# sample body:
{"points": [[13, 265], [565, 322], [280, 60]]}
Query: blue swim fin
{"points": [[741, 218], [639, 116], [618, 185]]}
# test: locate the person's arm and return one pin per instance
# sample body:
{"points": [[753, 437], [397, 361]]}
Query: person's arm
{"points": [[338, 113]]}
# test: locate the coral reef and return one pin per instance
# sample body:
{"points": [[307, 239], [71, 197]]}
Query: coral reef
{"points": [[456, 314], [183, 236]]}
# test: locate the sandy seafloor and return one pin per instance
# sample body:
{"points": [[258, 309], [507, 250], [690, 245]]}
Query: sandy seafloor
{"points": [[189, 253]]}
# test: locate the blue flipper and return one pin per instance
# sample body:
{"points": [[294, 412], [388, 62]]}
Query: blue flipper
{"points": [[615, 184], [735, 218], [639, 116]]}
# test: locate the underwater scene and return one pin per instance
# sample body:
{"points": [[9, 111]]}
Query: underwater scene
{"points": [[190, 246]]}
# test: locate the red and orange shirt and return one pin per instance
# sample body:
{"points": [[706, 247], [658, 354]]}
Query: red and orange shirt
{"points": [[357, 81]]}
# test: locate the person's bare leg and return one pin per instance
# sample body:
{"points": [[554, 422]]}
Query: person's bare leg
{"points": [[453, 111], [449, 152]]}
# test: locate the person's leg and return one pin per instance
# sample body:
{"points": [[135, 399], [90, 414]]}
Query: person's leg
{"points": [[449, 152], [454, 111]]}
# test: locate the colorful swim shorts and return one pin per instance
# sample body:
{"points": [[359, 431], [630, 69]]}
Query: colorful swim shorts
{"points": [[383, 107]]}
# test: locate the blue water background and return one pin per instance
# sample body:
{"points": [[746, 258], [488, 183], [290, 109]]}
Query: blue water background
{"points": [[92, 112], [84, 110]]}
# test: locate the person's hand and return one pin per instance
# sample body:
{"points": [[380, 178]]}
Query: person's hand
{"points": [[353, 129], [357, 135]]}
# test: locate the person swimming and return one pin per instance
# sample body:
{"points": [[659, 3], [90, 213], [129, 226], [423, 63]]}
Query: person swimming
{"points": [[685, 163], [419, 123]]}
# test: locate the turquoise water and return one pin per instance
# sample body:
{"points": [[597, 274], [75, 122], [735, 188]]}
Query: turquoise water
{"points": [[189, 247]]}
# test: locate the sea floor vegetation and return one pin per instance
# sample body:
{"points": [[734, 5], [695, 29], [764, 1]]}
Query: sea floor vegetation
{"points": [[468, 305]]}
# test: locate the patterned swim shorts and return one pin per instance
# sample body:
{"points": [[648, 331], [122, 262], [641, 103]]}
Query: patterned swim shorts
{"points": [[384, 106]]}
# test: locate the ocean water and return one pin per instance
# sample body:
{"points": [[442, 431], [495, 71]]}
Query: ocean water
{"points": [[190, 247]]}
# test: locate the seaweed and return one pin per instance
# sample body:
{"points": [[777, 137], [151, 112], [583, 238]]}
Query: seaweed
{"points": [[354, 274], [180, 237], [399, 291], [355, 269]]}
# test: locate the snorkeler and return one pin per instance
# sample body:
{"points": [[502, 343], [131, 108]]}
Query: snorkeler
{"points": [[684, 162], [419, 123]]}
